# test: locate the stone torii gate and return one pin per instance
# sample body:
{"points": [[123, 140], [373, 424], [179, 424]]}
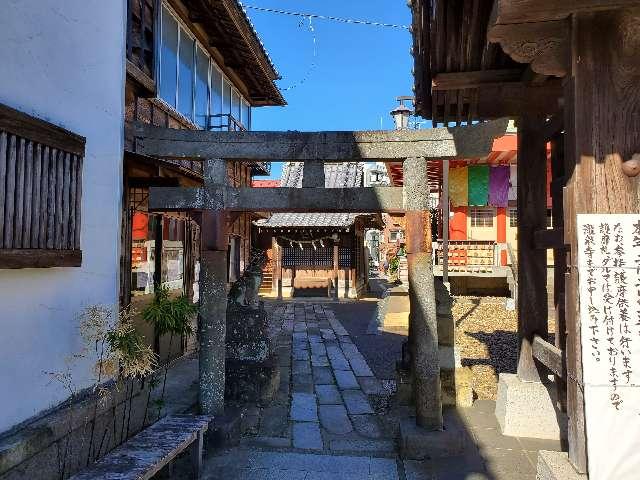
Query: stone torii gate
{"points": [[216, 197]]}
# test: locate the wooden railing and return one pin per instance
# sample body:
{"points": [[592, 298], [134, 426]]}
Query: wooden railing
{"points": [[467, 255], [40, 193]]}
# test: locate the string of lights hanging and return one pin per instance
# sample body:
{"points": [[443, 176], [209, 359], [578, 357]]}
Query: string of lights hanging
{"points": [[312, 67], [309, 17], [327, 17]]}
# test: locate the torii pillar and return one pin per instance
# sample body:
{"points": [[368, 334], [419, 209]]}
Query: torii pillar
{"points": [[423, 329], [213, 298]]}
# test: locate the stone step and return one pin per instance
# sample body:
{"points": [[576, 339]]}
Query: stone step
{"points": [[263, 465]]}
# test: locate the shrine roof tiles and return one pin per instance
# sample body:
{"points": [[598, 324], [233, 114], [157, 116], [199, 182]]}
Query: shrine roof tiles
{"points": [[336, 175]]}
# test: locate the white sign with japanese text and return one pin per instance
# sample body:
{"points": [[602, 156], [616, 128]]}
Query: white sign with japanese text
{"points": [[609, 277]]}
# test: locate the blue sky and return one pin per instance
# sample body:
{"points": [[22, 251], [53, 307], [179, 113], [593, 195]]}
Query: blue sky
{"points": [[359, 70]]}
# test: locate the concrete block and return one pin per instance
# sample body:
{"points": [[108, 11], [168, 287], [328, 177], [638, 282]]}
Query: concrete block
{"points": [[517, 400], [556, 466], [416, 443]]}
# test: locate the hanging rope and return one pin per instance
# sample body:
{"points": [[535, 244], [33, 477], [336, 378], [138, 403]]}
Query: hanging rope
{"points": [[327, 17], [312, 67], [320, 241]]}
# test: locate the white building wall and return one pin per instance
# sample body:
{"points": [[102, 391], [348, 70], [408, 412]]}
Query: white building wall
{"points": [[63, 61]]}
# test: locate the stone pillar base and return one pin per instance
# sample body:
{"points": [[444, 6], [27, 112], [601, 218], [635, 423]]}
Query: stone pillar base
{"points": [[255, 382], [556, 466], [456, 380], [527, 409], [416, 443]]}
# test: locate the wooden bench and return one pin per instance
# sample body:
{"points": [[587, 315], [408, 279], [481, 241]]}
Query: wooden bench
{"points": [[145, 454]]}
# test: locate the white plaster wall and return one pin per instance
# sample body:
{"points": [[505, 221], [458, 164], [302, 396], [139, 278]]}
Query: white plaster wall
{"points": [[63, 61]]}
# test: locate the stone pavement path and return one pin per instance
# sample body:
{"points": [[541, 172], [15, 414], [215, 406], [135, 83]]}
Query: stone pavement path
{"points": [[322, 424]]}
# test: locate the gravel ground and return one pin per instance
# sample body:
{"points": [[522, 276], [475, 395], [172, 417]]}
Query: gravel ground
{"points": [[487, 339], [486, 334]]}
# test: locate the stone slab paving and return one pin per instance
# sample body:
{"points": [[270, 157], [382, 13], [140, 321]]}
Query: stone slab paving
{"points": [[304, 407], [334, 419], [346, 380], [328, 395], [306, 435], [322, 426]]}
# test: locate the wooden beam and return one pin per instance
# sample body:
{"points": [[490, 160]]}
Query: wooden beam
{"points": [[526, 11], [549, 355], [438, 143], [513, 100], [543, 45], [37, 258], [142, 78], [475, 79], [548, 239], [372, 199], [532, 78]]}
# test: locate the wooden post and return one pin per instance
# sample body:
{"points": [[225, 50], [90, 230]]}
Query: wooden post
{"points": [[347, 281], [559, 258], [445, 221], [423, 340], [277, 268], [602, 129], [335, 271], [213, 299], [532, 262], [157, 271]]}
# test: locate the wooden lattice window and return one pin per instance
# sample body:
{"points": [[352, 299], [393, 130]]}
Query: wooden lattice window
{"points": [[513, 217], [140, 35], [307, 256], [482, 217], [346, 257], [40, 193]]}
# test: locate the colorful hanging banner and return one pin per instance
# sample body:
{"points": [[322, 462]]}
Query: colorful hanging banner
{"points": [[499, 186], [478, 185], [459, 187]]}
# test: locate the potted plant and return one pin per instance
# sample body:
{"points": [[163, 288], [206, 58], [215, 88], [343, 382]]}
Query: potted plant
{"points": [[169, 316]]}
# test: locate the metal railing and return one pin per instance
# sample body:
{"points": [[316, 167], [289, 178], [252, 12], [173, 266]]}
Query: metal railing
{"points": [[226, 122]]}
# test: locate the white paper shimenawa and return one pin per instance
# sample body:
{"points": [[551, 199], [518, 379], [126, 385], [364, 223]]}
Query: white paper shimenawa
{"points": [[609, 278]]}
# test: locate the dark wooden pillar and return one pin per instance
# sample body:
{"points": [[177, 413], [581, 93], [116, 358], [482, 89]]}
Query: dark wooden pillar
{"points": [[532, 262], [559, 256], [602, 132], [213, 299], [335, 270], [277, 267], [422, 311]]}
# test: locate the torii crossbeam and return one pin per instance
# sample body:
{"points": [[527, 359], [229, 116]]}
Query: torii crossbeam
{"points": [[216, 197]]}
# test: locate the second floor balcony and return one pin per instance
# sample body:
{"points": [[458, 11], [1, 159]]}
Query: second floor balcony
{"points": [[226, 122]]}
